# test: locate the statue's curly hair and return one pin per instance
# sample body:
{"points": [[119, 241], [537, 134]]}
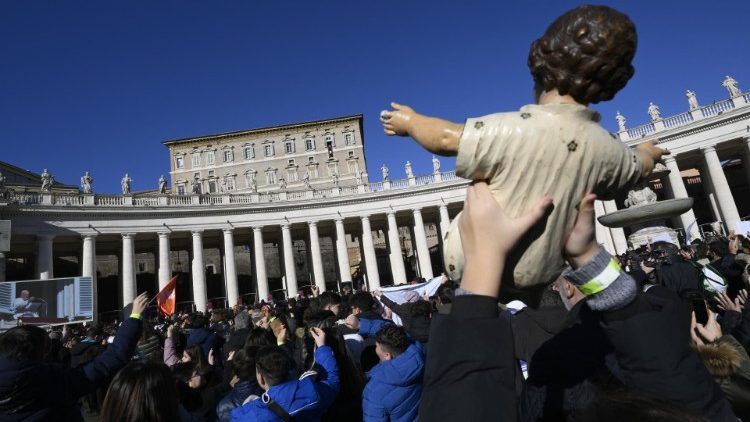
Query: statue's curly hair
{"points": [[586, 53]]}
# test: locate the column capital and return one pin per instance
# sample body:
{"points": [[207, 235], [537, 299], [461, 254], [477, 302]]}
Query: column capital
{"points": [[45, 236], [365, 217], [163, 234], [196, 233], [286, 227], [390, 213], [339, 220], [88, 236], [707, 149], [227, 231], [417, 211], [312, 223], [442, 206], [257, 229], [128, 235]]}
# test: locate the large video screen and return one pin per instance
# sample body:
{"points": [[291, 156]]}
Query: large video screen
{"points": [[46, 302]]}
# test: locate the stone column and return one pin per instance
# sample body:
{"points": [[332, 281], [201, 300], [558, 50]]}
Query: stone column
{"points": [[423, 252], [165, 270], [198, 271], [371, 260], [88, 267], [603, 236], [341, 252], [129, 286], [317, 259], [289, 271], [396, 256], [721, 187], [44, 259], [445, 220], [746, 157], [677, 186], [619, 241], [230, 270], [260, 264]]}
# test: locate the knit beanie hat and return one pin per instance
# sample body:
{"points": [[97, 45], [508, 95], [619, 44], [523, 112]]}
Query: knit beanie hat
{"points": [[604, 284]]}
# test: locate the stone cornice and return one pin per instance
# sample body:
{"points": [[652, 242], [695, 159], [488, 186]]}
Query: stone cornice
{"points": [[141, 212], [315, 124]]}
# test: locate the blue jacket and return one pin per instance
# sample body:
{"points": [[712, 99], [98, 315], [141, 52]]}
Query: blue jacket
{"points": [[368, 328], [206, 339], [236, 397], [395, 387], [31, 391], [305, 399]]}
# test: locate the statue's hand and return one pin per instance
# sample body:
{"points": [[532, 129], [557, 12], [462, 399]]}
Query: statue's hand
{"points": [[398, 120]]}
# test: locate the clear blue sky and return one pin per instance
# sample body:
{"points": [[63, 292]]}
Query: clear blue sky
{"points": [[97, 86]]}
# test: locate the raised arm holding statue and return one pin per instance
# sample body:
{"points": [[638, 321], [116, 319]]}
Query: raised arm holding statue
{"points": [[518, 156]]}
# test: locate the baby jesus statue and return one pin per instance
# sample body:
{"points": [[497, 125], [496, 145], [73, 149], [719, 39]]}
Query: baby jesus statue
{"points": [[554, 148]]}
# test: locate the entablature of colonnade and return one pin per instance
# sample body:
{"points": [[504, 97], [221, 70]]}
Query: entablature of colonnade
{"points": [[34, 217], [711, 125]]}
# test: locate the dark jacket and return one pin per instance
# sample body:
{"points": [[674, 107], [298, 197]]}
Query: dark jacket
{"points": [[651, 339], [234, 399], [680, 277], [395, 387], [45, 392], [206, 339], [84, 351], [567, 371], [403, 310], [305, 399], [470, 369]]}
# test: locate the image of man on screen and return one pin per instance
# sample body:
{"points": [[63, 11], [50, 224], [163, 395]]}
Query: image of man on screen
{"points": [[26, 305]]}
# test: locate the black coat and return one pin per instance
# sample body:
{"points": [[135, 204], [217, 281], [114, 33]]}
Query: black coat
{"points": [[31, 391], [470, 369], [651, 339]]}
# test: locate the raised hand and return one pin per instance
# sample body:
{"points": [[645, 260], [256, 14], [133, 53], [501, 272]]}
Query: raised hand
{"points": [[398, 120], [139, 304], [580, 244], [488, 235], [319, 336], [727, 304]]}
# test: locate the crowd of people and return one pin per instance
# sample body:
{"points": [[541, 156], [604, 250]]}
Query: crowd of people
{"points": [[658, 334]]}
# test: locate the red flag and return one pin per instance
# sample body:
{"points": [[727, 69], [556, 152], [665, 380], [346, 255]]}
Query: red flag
{"points": [[167, 297]]}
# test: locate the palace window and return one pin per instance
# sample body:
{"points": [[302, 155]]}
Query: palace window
{"points": [[249, 152], [209, 158], [313, 170], [349, 139], [271, 177], [289, 147], [311, 160], [333, 168], [268, 150], [352, 165], [229, 179], [196, 159], [249, 177], [292, 175], [179, 162], [181, 189], [228, 155], [309, 144]]}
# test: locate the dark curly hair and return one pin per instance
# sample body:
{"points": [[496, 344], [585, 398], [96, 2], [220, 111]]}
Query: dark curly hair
{"points": [[393, 339], [586, 53]]}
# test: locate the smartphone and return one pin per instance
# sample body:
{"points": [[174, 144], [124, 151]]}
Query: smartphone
{"points": [[701, 314]]}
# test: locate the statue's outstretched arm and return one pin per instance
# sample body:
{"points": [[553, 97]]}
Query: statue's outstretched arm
{"points": [[435, 135]]}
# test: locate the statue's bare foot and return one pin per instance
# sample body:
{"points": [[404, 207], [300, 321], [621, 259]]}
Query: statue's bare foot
{"points": [[397, 121]]}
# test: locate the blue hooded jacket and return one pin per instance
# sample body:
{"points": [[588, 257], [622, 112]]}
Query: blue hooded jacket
{"points": [[305, 399], [395, 387]]}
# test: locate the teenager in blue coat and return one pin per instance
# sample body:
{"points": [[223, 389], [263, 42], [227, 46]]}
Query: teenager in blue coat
{"points": [[394, 386]]}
